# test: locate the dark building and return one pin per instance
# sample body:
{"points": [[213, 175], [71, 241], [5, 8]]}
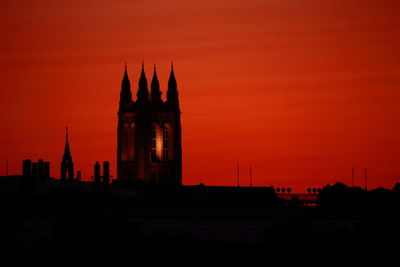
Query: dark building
{"points": [[96, 176], [34, 172], [79, 176], [46, 169], [67, 166], [27, 167], [106, 172], [149, 133], [40, 169]]}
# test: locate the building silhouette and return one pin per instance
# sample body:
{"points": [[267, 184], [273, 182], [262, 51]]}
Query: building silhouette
{"points": [[67, 165], [106, 172], [97, 177], [149, 133], [39, 169]]}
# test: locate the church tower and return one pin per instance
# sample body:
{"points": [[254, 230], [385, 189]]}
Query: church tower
{"points": [[67, 166], [149, 133]]}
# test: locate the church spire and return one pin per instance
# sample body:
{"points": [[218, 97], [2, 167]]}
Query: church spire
{"points": [[126, 72], [155, 95], [172, 93], [67, 151], [126, 85], [125, 97], [143, 92], [67, 166]]}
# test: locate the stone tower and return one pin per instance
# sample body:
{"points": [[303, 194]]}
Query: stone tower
{"points": [[149, 133]]}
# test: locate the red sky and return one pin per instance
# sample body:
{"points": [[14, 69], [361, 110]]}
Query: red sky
{"points": [[302, 90]]}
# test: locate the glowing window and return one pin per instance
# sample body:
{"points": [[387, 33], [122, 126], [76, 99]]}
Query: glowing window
{"points": [[165, 143], [153, 144]]}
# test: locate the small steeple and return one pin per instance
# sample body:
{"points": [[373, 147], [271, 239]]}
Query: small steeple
{"points": [[67, 151], [126, 72], [67, 166], [155, 95], [143, 92], [172, 80], [172, 93], [125, 97], [125, 80]]}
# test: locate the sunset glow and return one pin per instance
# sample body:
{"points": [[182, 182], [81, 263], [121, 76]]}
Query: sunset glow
{"points": [[300, 90]]}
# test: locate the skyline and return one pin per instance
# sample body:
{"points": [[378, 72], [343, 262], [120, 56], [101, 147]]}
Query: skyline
{"points": [[300, 91]]}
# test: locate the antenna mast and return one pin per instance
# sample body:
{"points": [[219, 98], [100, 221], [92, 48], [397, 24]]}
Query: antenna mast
{"points": [[365, 179], [237, 173], [251, 178]]}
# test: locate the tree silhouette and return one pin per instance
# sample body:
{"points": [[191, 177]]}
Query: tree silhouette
{"points": [[284, 190], [289, 190], [278, 190], [309, 190], [314, 190]]}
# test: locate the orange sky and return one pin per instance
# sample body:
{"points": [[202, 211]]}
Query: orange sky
{"points": [[302, 90]]}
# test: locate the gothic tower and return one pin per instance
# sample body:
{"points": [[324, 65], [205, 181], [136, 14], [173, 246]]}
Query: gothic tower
{"points": [[149, 133], [67, 166]]}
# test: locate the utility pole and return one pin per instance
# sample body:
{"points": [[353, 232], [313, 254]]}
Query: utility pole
{"points": [[237, 173], [251, 178], [238, 185]]}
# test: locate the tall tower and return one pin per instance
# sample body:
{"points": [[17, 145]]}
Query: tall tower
{"points": [[149, 133], [172, 126], [67, 166]]}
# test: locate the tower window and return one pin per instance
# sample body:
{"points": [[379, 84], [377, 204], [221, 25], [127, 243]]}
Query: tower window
{"points": [[165, 143], [153, 144]]}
